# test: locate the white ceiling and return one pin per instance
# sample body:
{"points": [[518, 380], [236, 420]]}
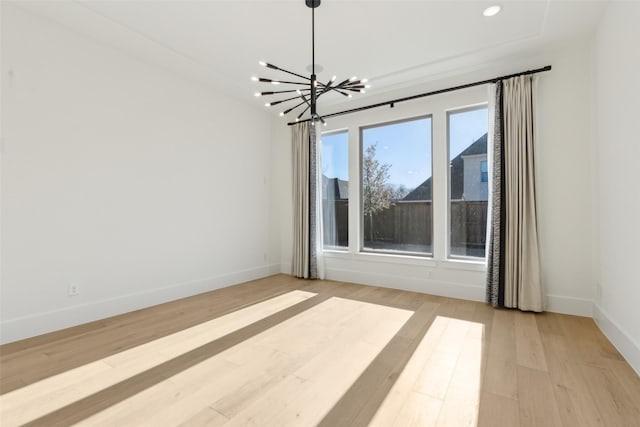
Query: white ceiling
{"points": [[393, 43]]}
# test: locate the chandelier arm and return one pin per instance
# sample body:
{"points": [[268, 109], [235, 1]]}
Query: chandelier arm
{"points": [[263, 80], [292, 73], [303, 111], [279, 91], [282, 100], [343, 82], [325, 87], [336, 89], [304, 98], [293, 108]]}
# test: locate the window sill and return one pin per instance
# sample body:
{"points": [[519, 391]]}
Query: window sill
{"points": [[381, 258], [464, 264], [385, 258]]}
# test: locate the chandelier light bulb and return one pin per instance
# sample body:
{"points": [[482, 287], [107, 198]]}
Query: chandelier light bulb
{"points": [[254, 78], [333, 79], [364, 80], [353, 79], [275, 82], [281, 114], [257, 94], [268, 104], [492, 10], [262, 63]]}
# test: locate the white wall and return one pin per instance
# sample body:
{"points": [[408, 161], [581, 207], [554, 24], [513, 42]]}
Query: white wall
{"points": [[618, 149], [136, 185], [564, 173]]}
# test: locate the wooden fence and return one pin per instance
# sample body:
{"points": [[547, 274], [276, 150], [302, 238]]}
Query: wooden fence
{"points": [[409, 223]]}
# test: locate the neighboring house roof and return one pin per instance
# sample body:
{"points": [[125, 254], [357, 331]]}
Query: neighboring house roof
{"points": [[424, 191], [334, 188]]}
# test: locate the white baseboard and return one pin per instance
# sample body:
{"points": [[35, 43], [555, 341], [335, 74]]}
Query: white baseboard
{"points": [[569, 305], [555, 303], [286, 268], [625, 344], [422, 285], [37, 324]]}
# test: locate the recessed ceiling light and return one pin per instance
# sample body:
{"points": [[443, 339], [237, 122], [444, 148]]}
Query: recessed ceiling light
{"points": [[492, 10]]}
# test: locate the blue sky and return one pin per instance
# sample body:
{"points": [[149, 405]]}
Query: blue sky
{"points": [[395, 141]]}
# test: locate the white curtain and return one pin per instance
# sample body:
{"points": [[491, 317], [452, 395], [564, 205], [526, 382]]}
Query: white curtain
{"points": [[300, 168], [307, 261], [513, 278]]}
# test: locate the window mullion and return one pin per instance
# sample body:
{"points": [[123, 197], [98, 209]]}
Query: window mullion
{"points": [[354, 190], [440, 173]]}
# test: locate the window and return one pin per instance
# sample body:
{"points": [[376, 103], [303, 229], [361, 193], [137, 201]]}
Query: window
{"points": [[396, 186], [335, 189], [468, 189], [484, 172]]}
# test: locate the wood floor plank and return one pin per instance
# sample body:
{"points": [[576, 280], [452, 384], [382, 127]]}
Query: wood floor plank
{"points": [[396, 404], [498, 410], [437, 372], [419, 410], [574, 401], [549, 323], [206, 417], [627, 377], [501, 374], [461, 403], [484, 317], [529, 350], [586, 343], [616, 407], [536, 400]]}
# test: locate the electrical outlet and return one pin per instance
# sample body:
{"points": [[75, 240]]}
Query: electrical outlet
{"points": [[74, 289]]}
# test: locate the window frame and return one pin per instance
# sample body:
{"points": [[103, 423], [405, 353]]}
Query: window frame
{"points": [[361, 248], [449, 112], [329, 133]]}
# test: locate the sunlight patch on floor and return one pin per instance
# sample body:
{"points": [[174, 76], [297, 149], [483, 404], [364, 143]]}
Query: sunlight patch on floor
{"points": [[291, 374], [440, 384], [40, 398]]}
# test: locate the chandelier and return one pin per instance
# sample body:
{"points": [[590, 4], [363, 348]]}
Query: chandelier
{"points": [[307, 89]]}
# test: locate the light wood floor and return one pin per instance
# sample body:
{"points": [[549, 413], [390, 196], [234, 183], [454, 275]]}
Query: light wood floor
{"points": [[281, 351]]}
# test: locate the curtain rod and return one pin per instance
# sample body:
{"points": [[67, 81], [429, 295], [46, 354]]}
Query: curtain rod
{"points": [[435, 92]]}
